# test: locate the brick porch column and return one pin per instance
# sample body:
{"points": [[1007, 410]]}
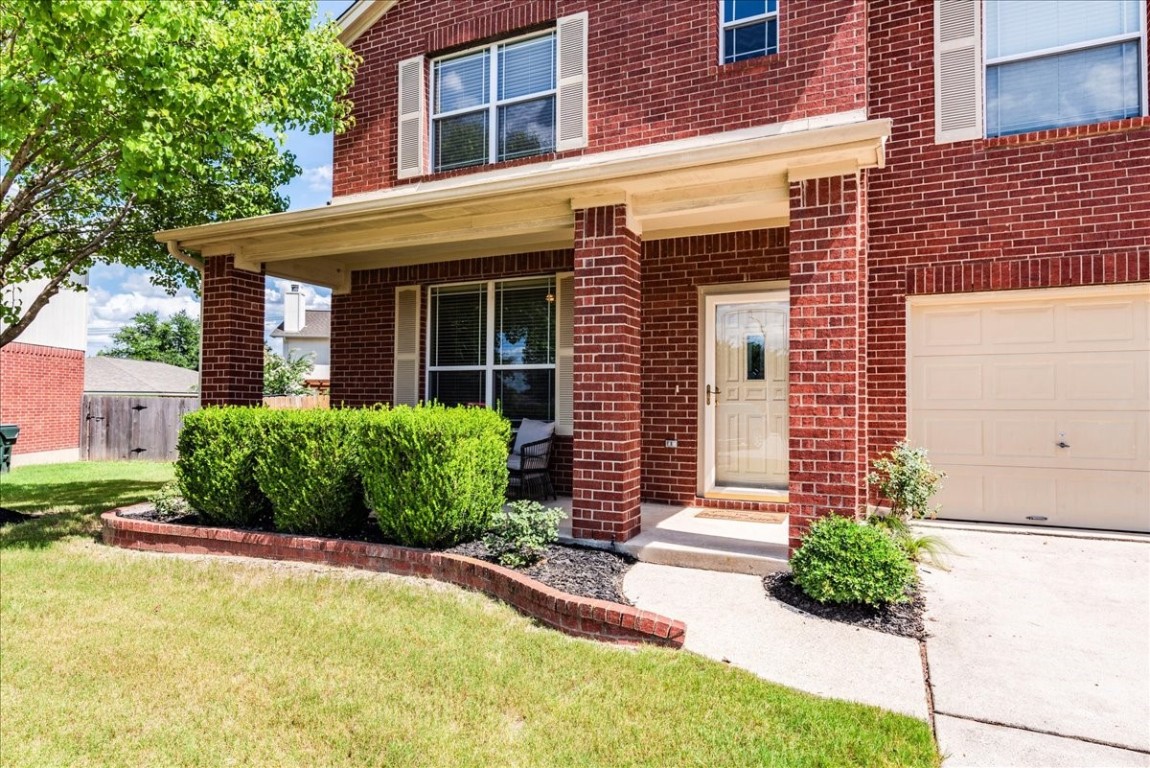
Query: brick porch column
{"points": [[232, 346], [606, 455], [827, 350]]}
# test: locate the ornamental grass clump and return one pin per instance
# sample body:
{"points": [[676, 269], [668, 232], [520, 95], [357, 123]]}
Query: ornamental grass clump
{"points": [[307, 465], [435, 476], [906, 478], [521, 532], [216, 467], [841, 561]]}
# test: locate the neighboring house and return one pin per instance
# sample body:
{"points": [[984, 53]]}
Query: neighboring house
{"points": [[306, 333], [42, 378], [140, 378], [738, 249]]}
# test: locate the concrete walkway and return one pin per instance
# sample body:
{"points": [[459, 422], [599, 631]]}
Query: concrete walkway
{"points": [[1039, 652]]}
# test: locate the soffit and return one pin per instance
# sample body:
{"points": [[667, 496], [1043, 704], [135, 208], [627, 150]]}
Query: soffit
{"points": [[723, 183], [360, 17]]}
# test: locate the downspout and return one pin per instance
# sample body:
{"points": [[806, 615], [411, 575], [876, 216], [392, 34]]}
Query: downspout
{"points": [[181, 256]]}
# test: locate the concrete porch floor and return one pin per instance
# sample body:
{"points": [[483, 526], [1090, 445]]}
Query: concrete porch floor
{"points": [[673, 535]]}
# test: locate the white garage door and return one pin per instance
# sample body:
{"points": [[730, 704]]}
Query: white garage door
{"points": [[1036, 404]]}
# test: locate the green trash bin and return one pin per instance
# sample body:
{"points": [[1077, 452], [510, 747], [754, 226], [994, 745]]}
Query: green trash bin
{"points": [[8, 435]]}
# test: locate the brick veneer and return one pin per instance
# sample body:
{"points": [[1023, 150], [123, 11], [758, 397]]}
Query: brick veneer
{"points": [[827, 350], [578, 616], [232, 314], [653, 71], [1062, 207], [41, 389], [607, 382]]}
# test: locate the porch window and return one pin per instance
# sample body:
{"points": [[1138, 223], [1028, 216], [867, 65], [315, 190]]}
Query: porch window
{"points": [[495, 104], [495, 343]]}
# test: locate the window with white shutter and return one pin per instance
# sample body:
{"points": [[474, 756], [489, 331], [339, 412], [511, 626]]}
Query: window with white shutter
{"points": [[565, 354], [957, 70], [406, 386]]}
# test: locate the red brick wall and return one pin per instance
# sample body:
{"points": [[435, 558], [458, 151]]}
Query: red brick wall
{"points": [[1060, 207], [363, 328], [607, 382], [827, 350], [41, 389], [653, 71], [673, 272], [232, 313]]}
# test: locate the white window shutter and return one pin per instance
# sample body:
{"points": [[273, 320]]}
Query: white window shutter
{"points": [[958, 107], [571, 76], [565, 354], [406, 386], [411, 130]]}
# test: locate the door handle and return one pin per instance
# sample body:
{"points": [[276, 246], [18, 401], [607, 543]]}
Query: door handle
{"points": [[712, 391]]}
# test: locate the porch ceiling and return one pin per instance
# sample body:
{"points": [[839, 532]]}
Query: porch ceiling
{"points": [[721, 183]]}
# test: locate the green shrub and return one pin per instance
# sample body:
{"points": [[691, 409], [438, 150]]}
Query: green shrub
{"points": [[841, 561], [216, 467], [169, 503], [435, 476], [906, 478], [307, 466], [520, 533], [930, 549]]}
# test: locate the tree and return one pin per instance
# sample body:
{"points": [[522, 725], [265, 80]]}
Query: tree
{"points": [[175, 341], [122, 118], [284, 375]]}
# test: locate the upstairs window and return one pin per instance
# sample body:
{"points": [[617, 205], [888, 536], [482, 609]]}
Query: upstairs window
{"points": [[494, 104], [1050, 65], [748, 28]]}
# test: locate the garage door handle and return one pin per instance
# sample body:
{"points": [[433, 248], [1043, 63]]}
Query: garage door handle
{"points": [[1063, 444]]}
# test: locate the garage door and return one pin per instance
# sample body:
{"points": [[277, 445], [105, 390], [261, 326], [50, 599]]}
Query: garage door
{"points": [[1036, 404]]}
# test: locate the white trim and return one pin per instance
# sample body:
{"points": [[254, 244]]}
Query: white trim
{"points": [[1030, 294], [360, 17]]}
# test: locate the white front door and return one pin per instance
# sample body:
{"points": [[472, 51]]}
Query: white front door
{"points": [[745, 391]]}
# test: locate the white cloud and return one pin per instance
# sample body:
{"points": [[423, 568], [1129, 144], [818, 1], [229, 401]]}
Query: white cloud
{"points": [[318, 178], [109, 312]]}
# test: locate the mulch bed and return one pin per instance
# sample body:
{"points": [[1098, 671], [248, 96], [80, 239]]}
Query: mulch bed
{"points": [[574, 570], [903, 619]]}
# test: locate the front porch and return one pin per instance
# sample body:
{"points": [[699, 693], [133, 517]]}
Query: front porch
{"points": [[674, 535]]}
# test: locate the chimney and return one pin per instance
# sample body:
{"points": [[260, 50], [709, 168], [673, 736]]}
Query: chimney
{"points": [[295, 313]]}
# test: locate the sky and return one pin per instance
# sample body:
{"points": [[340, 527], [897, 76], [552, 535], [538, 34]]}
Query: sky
{"points": [[116, 293]]}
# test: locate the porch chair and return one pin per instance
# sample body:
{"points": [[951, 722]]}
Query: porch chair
{"points": [[529, 465]]}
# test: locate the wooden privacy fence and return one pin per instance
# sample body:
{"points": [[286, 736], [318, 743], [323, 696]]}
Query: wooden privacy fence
{"points": [[118, 427], [283, 402]]}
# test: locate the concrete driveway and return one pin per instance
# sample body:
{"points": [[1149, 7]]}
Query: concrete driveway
{"points": [[1040, 650]]}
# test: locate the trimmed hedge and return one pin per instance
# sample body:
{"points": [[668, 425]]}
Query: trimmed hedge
{"points": [[216, 466], [435, 476], [308, 466], [841, 561]]}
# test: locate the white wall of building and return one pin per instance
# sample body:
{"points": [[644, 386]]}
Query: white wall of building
{"points": [[63, 323]]}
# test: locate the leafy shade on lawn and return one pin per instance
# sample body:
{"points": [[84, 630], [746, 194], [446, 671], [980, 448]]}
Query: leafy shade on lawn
{"points": [[117, 658], [68, 498]]}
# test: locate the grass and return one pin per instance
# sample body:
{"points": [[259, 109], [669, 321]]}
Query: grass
{"points": [[110, 657]]}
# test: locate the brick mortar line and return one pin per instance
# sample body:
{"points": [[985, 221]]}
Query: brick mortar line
{"points": [[574, 615]]}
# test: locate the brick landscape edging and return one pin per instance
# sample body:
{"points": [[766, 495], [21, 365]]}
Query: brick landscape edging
{"points": [[579, 616]]}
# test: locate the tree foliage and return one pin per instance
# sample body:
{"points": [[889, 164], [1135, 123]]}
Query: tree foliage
{"points": [[285, 375], [175, 341], [123, 118]]}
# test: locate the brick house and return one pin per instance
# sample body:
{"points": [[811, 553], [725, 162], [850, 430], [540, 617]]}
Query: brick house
{"points": [[737, 249]]}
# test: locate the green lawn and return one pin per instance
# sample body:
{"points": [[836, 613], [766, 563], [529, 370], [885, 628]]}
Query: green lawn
{"points": [[110, 657]]}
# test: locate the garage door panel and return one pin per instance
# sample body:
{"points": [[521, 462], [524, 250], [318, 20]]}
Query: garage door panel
{"points": [[1074, 498], [997, 381]]}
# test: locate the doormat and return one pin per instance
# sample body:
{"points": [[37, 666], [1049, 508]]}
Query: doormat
{"points": [[743, 515]]}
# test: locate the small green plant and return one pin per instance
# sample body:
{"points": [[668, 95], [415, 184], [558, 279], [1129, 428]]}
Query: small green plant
{"points": [[169, 503], [216, 467], [841, 561], [519, 535], [929, 549], [907, 480]]}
